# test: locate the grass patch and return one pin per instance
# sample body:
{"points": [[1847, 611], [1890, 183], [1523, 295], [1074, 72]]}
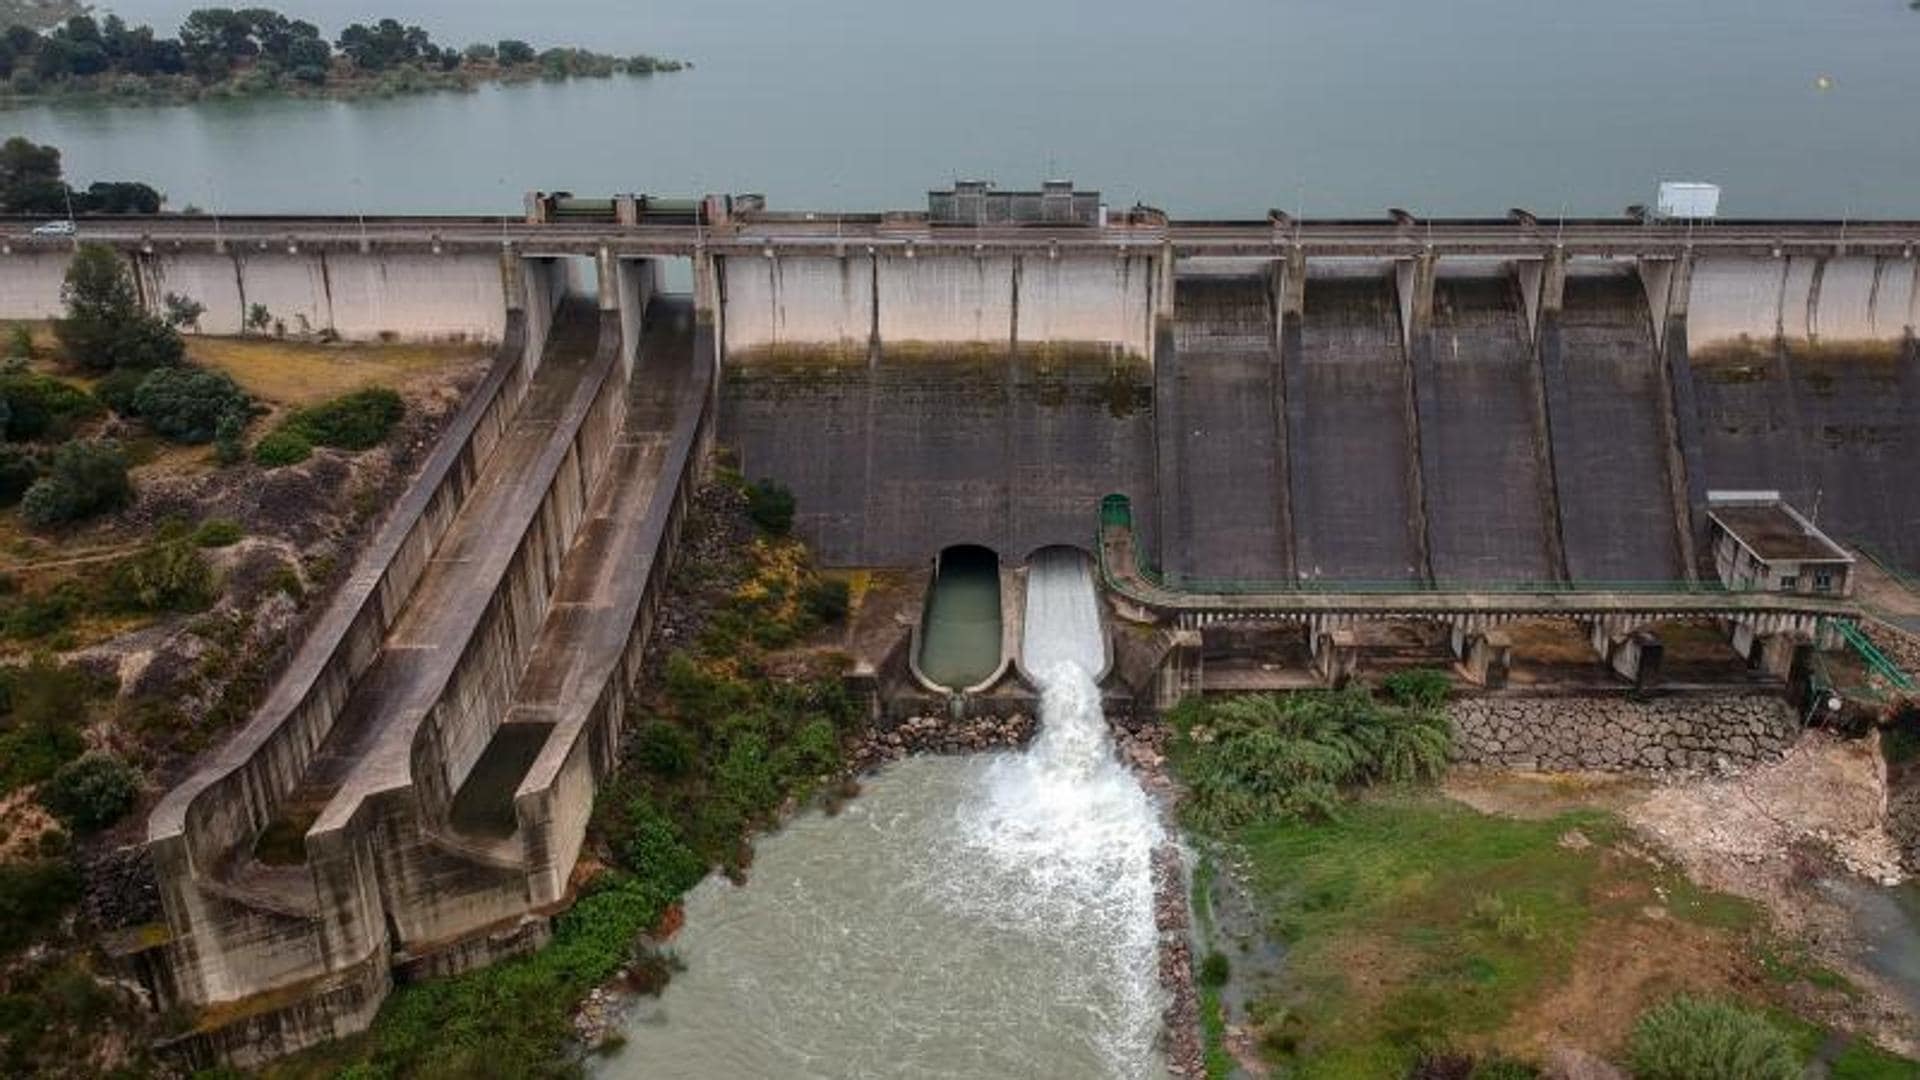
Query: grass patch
{"points": [[1414, 922], [301, 374]]}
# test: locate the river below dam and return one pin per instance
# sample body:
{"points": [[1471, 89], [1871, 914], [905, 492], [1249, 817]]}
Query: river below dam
{"points": [[978, 917], [1215, 107]]}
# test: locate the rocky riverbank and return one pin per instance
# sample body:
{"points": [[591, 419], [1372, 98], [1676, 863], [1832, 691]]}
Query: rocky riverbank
{"points": [[1141, 747], [940, 735]]}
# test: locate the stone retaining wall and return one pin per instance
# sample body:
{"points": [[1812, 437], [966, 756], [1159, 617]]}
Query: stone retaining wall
{"points": [[1618, 734]]}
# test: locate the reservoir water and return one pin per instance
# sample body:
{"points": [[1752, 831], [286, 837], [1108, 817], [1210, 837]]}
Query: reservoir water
{"points": [[1206, 107], [964, 918]]}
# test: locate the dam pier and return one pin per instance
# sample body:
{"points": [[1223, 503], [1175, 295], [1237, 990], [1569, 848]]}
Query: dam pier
{"points": [[1642, 456]]}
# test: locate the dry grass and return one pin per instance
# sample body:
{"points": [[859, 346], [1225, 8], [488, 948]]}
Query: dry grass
{"points": [[299, 374]]}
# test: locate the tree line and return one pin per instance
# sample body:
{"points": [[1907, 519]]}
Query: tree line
{"points": [[31, 183], [217, 45]]}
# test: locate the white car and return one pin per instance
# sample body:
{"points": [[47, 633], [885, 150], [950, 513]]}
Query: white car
{"points": [[54, 228]]}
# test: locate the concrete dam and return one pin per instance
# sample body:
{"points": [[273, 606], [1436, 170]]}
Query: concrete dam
{"points": [[1450, 422]]}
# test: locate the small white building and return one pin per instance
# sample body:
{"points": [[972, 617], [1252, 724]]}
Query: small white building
{"points": [[1759, 542]]}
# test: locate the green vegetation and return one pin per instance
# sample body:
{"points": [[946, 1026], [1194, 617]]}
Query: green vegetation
{"points": [[32, 894], [42, 707], [218, 533], [92, 792], [168, 574], [83, 479], [30, 180], [18, 470], [1690, 1038], [281, 446], [223, 53], [771, 507], [105, 329], [1259, 757], [39, 407], [360, 420], [187, 404]]}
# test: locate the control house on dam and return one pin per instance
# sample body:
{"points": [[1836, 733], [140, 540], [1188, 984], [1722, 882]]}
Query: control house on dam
{"points": [[1295, 449]]}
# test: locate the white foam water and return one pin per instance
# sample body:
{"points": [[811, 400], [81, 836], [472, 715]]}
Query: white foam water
{"points": [[1067, 832]]}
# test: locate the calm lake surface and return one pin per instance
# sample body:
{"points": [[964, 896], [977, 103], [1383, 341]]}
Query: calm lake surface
{"points": [[1209, 107]]}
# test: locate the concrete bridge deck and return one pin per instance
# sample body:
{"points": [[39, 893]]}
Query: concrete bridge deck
{"points": [[1122, 573], [826, 232]]}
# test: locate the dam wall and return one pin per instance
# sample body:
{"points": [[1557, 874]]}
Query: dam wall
{"points": [[1350, 423], [1483, 473], [1807, 382], [847, 303], [963, 431], [385, 296], [1604, 388], [1222, 432]]}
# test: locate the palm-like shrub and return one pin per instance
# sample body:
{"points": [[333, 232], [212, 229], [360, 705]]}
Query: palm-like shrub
{"points": [[1262, 756], [1689, 1038]]}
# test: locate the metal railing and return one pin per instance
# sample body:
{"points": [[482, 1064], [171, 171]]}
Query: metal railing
{"points": [[1877, 662]]}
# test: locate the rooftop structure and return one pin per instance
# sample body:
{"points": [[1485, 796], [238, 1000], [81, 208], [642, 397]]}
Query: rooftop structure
{"points": [[1759, 542]]}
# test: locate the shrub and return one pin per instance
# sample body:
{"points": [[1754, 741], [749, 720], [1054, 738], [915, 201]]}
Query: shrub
{"points": [[1262, 756], [1421, 688], [20, 343], [282, 446], [1688, 1038], [357, 421], [92, 792], [104, 327], [1214, 970], [186, 404], [666, 750], [32, 895], [27, 618], [827, 600], [218, 533], [118, 389], [84, 479], [183, 311], [771, 507], [167, 575], [18, 471], [229, 445], [40, 406], [650, 845], [44, 709]]}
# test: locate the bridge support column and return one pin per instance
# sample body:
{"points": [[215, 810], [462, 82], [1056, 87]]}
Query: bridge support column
{"points": [[1336, 656], [1183, 673], [1634, 655], [1780, 655], [1486, 656]]}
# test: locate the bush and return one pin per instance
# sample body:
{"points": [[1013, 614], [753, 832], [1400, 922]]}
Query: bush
{"points": [[1214, 970], [229, 439], [104, 327], [92, 792], [186, 404], [40, 406], [827, 600], [27, 618], [282, 446], [666, 750], [1263, 756], [218, 533], [167, 575], [84, 479], [18, 471], [771, 507], [32, 895], [650, 845], [45, 705], [1690, 1038], [117, 391], [358, 421], [1421, 688]]}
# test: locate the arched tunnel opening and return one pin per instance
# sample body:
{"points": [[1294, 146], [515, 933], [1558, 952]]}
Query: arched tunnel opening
{"points": [[960, 631]]}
